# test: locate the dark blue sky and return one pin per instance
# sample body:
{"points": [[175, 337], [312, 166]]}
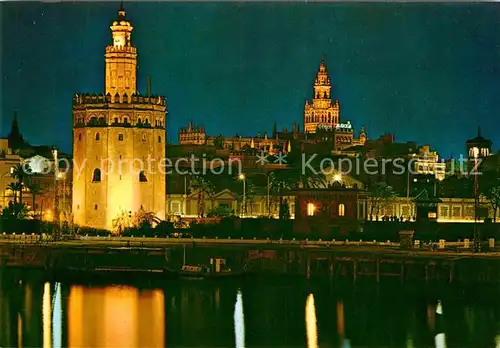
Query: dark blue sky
{"points": [[426, 72]]}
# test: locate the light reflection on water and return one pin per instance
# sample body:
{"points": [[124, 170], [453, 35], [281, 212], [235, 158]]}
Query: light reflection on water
{"points": [[311, 324], [239, 321], [201, 314]]}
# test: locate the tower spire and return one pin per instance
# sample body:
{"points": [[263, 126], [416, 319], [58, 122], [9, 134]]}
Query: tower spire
{"points": [[121, 12]]}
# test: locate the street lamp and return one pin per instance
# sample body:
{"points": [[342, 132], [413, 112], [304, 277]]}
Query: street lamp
{"points": [[243, 178], [57, 216], [477, 242]]}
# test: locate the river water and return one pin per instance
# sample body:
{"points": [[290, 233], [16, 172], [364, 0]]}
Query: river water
{"points": [[252, 312]]}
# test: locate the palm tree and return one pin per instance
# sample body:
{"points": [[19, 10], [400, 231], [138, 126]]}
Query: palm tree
{"points": [[34, 187], [203, 188], [19, 174], [14, 187]]}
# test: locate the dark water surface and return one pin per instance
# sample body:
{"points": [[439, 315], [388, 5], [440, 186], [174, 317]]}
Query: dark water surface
{"points": [[252, 312]]}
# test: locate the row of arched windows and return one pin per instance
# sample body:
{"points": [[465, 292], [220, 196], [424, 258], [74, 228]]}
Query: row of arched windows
{"points": [[325, 95], [120, 137], [101, 121], [96, 176], [322, 118]]}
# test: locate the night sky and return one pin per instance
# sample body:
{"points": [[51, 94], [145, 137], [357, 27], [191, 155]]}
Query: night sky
{"points": [[429, 73]]}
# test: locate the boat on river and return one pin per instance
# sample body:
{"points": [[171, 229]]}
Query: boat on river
{"points": [[217, 268]]}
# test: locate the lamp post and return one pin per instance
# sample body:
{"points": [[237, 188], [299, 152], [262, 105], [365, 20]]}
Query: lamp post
{"points": [[477, 242], [268, 195], [57, 217], [244, 208]]}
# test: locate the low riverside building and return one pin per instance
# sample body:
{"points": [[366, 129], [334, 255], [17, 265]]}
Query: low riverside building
{"points": [[448, 209], [325, 210], [222, 193]]}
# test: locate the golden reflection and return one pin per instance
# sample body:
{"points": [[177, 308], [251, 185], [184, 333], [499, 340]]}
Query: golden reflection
{"points": [[120, 317], [75, 322], [311, 328], [431, 316], [19, 330], [46, 311], [151, 319], [115, 314], [28, 302], [239, 321], [340, 319]]}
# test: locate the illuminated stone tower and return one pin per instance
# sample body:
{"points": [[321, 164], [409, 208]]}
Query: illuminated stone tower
{"points": [[322, 111], [118, 141]]}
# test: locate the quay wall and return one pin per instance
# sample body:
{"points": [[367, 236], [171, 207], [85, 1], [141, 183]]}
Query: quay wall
{"points": [[354, 262]]}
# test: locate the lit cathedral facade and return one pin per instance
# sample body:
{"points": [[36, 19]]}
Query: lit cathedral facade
{"points": [[321, 124], [118, 141]]}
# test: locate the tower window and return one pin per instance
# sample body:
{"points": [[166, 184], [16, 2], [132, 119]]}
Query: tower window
{"points": [[125, 120], [95, 206], [96, 177], [80, 137], [142, 177], [146, 121], [116, 120], [97, 136], [341, 210], [120, 137], [144, 137], [139, 121], [159, 140]]}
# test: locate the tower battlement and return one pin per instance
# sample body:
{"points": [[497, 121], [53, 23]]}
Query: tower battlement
{"points": [[92, 98]]}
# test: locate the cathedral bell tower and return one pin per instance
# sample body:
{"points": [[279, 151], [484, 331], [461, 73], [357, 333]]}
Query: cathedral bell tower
{"points": [[121, 58], [322, 111]]}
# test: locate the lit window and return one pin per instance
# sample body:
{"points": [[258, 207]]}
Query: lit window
{"points": [[310, 209], [97, 175], [341, 210], [120, 137]]}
